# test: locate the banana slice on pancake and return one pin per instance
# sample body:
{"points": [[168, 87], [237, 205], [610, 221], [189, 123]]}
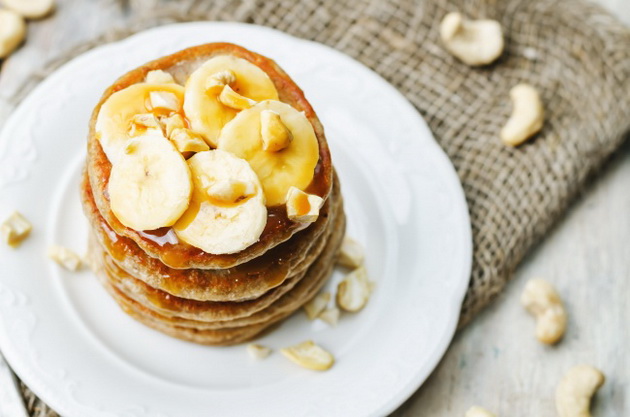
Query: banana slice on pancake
{"points": [[227, 212], [117, 120], [289, 162], [223, 77], [150, 184]]}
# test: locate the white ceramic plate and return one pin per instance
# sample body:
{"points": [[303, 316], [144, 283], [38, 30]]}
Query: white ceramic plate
{"points": [[75, 348]]}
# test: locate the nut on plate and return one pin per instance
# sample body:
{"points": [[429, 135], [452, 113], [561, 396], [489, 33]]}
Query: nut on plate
{"points": [[354, 291], [303, 207], [351, 253], [309, 355], [15, 229], [330, 316], [474, 42], [257, 351], [316, 305], [65, 258]]}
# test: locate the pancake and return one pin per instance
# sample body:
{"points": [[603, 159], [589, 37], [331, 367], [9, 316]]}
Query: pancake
{"points": [[169, 305], [244, 282], [188, 330], [180, 255]]}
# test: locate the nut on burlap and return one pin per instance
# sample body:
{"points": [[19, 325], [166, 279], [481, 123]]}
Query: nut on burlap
{"points": [[573, 52]]}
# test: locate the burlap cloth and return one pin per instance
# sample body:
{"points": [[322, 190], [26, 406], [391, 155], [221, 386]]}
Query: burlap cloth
{"points": [[575, 53]]}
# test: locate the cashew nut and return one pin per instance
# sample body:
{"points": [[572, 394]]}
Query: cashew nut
{"points": [[574, 392], [527, 116], [476, 411], [30, 9], [12, 32], [541, 299], [474, 42]]}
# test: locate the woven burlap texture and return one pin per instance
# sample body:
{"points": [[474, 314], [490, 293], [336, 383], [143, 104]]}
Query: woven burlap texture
{"points": [[574, 53]]}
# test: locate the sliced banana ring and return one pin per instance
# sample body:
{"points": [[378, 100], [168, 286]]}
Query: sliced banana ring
{"points": [[114, 124], [227, 212], [206, 113], [150, 184], [292, 166]]}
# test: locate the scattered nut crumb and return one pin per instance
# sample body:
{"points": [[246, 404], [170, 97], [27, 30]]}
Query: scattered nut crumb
{"points": [[316, 305], [15, 229], [330, 315], [309, 355], [541, 299], [351, 253], [476, 411], [65, 257], [257, 351], [354, 291]]}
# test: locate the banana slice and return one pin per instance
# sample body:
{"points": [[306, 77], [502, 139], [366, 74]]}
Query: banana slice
{"points": [[206, 113], [116, 121], [227, 212], [150, 184], [278, 171]]}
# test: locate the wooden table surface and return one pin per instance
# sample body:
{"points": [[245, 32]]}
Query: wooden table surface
{"points": [[495, 361]]}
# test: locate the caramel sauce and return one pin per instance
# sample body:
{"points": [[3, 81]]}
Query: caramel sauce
{"points": [[302, 206]]}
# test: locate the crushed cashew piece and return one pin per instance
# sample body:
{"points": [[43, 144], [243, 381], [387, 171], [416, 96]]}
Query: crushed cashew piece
{"points": [[353, 292], [185, 140], [159, 77], [65, 257], [309, 355], [275, 135], [302, 207], [257, 351], [15, 229], [164, 100], [219, 80], [351, 254], [316, 305], [234, 100], [476, 411], [330, 316], [171, 123]]}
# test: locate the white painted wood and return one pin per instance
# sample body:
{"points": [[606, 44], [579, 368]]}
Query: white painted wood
{"points": [[496, 361]]}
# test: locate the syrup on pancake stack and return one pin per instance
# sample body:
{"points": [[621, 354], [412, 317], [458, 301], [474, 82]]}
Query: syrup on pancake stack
{"points": [[214, 208]]}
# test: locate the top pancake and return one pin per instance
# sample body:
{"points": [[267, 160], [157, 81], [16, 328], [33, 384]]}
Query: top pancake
{"points": [[181, 255]]}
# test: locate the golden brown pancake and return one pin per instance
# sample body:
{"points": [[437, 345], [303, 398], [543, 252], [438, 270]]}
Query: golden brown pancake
{"points": [[239, 330], [244, 282], [169, 305], [181, 255]]}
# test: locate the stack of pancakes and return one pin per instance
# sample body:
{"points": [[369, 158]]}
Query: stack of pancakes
{"points": [[197, 296]]}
